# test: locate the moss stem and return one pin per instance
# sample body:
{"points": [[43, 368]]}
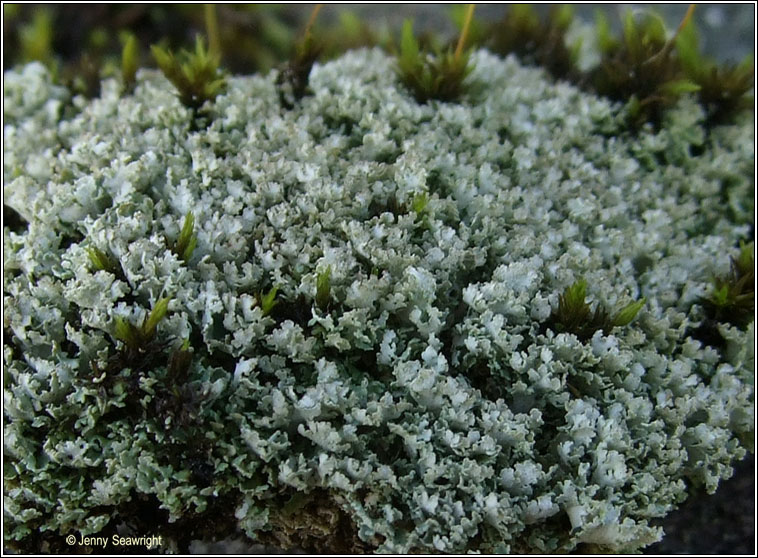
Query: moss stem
{"points": [[312, 20], [685, 21], [668, 47], [464, 31], [211, 27]]}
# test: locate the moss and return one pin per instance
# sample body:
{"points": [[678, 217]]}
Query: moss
{"points": [[723, 88], [129, 62], [574, 314], [195, 75], [293, 78], [323, 286], [268, 301], [36, 37], [542, 43], [441, 75], [732, 296], [642, 68], [187, 241]]}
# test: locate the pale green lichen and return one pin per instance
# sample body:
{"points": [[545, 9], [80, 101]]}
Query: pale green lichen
{"points": [[432, 407]]}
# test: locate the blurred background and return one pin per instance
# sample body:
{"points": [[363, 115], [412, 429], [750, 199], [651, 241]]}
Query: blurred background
{"points": [[257, 37], [83, 42]]}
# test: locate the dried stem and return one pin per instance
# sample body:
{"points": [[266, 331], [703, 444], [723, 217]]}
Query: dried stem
{"points": [[672, 42], [312, 20], [464, 31]]}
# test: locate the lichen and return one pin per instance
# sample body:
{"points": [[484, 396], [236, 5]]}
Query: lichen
{"points": [[360, 340]]}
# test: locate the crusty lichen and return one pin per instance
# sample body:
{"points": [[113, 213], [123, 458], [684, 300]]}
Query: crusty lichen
{"points": [[427, 403]]}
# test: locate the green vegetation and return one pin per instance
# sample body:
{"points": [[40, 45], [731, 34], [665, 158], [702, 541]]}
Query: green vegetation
{"points": [[293, 79], [642, 68], [83, 77], [185, 244], [439, 75], [179, 362], [129, 62], [574, 314], [196, 77], [268, 301], [211, 29], [102, 261], [419, 203], [722, 88], [136, 337], [323, 286], [732, 298], [541, 43], [478, 32], [351, 32], [36, 38]]}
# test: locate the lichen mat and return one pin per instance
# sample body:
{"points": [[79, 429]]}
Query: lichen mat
{"points": [[359, 351]]}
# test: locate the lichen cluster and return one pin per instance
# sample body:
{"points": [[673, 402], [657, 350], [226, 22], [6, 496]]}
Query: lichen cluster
{"points": [[360, 351]]}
